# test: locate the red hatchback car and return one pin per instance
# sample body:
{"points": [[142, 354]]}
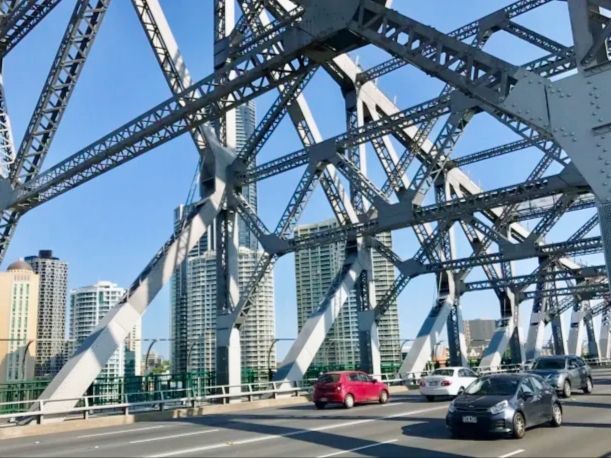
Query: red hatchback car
{"points": [[348, 388]]}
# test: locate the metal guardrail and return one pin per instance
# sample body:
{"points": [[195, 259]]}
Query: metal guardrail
{"points": [[157, 401], [34, 410]]}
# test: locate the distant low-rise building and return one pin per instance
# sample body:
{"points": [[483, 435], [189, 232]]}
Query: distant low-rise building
{"points": [[18, 322], [478, 334]]}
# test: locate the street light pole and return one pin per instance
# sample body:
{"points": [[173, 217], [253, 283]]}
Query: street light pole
{"points": [[24, 359], [269, 354], [146, 358]]}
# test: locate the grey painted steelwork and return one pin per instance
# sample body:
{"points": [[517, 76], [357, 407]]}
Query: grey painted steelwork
{"points": [[556, 105]]}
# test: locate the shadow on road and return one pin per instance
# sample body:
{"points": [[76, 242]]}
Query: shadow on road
{"points": [[427, 427], [334, 440], [434, 428], [598, 405], [588, 425]]}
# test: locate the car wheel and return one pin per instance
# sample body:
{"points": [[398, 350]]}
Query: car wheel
{"points": [[589, 386], [566, 389], [383, 397], [349, 401], [556, 415], [519, 426], [320, 405], [430, 398]]}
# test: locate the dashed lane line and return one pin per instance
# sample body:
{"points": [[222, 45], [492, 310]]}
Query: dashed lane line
{"points": [[174, 436], [292, 433], [341, 452], [123, 431]]}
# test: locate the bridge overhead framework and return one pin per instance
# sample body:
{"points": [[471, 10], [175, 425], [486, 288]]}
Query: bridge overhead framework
{"points": [[557, 106]]}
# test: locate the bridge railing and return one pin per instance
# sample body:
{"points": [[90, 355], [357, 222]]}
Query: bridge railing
{"points": [[161, 400], [179, 398]]}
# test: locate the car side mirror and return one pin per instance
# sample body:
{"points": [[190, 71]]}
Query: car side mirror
{"points": [[527, 396], [374, 380]]}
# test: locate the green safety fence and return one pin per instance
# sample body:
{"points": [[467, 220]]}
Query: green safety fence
{"points": [[131, 389], [20, 391]]}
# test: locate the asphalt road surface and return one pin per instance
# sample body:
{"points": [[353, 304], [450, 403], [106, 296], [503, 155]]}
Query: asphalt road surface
{"points": [[407, 426]]}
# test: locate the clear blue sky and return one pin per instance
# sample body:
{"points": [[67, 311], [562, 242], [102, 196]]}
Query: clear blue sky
{"points": [[109, 228]]}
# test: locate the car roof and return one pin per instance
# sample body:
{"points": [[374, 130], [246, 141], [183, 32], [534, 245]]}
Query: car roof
{"points": [[342, 372], [557, 357], [454, 367], [518, 375]]}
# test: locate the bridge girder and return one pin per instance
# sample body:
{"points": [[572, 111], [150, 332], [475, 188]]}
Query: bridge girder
{"points": [[562, 118]]}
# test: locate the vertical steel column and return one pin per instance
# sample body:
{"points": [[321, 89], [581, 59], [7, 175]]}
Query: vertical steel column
{"points": [[577, 328], [456, 336], [507, 334], [455, 326], [593, 350], [369, 340], [369, 343], [536, 335], [605, 334], [558, 336], [228, 353], [604, 216], [536, 328]]}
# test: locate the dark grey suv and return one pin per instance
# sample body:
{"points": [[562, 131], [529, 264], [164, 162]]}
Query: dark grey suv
{"points": [[564, 373]]}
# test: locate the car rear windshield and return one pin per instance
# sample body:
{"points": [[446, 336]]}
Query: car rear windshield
{"points": [[493, 387], [328, 378], [545, 364], [446, 372]]}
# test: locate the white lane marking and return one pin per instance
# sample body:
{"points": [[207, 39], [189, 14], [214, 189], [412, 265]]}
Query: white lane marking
{"points": [[162, 438], [517, 452], [341, 452], [123, 431], [292, 433]]}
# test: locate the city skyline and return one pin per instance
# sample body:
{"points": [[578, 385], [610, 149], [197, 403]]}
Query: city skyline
{"points": [[356, 227], [142, 202]]}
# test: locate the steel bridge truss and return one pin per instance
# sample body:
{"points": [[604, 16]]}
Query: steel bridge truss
{"points": [[554, 105]]}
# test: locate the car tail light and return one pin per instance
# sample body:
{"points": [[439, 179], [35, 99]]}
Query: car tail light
{"points": [[446, 383], [422, 383]]}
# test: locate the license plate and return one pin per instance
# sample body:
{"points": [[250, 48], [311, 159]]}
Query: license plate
{"points": [[433, 383], [323, 399], [469, 419]]}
